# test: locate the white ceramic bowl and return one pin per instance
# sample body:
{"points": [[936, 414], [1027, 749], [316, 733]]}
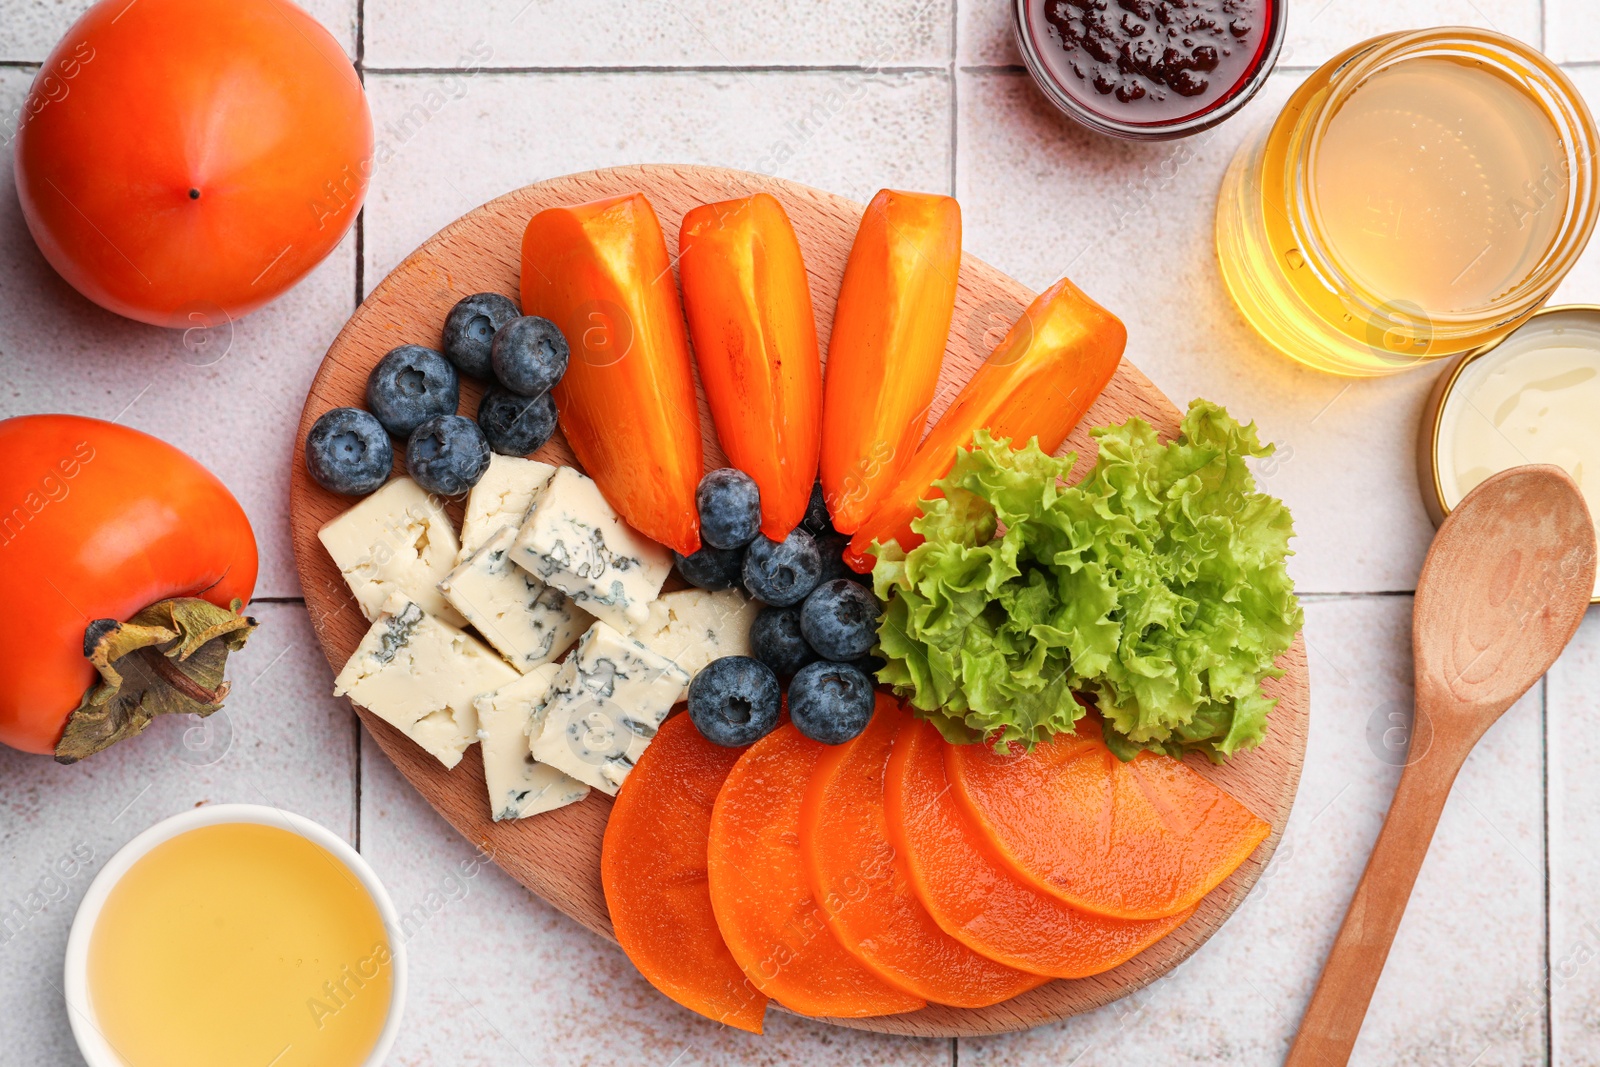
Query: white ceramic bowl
{"points": [[80, 1009]]}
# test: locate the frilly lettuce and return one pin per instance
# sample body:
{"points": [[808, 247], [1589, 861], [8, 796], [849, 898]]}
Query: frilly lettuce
{"points": [[1155, 590]]}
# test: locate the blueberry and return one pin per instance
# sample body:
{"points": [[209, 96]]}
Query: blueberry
{"points": [[516, 425], [447, 455], [735, 701], [782, 573], [529, 355], [830, 702], [729, 503], [411, 385], [469, 330], [830, 547], [775, 640], [348, 451], [840, 620], [817, 519], [711, 568]]}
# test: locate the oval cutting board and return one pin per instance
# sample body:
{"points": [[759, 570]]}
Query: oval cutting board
{"points": [[557, 855]]}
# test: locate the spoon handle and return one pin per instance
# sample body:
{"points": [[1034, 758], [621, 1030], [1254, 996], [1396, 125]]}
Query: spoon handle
{"points": [[1328, 1030]]}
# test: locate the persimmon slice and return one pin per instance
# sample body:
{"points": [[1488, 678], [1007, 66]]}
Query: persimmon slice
{"points": [[653, 868], [1137, 840], [978, 901], [864, 889], [773, 926]]}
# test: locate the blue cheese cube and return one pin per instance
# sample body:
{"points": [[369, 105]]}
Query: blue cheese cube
{"points": [[692, 627], [421, 676], [518, 785], [574, 541], [529, 622], [604, 708], [398, 540], [503, 497]]}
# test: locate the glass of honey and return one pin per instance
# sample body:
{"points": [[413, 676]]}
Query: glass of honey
{"points": [[236, 934], [1421, 195]]}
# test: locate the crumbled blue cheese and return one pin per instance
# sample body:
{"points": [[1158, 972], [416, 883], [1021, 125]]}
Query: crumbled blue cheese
{"points": [[604, 707], [574, 541], [398, 540], [529, 622], [518, 785], [421, 676], [502, 497], [692, 627]]}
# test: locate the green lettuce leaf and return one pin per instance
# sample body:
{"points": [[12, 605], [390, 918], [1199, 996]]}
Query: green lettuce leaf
{"points": [[1155, 590]]}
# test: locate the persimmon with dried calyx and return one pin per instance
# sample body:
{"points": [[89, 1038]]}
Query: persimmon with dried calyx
{"points": [[122, 556]]}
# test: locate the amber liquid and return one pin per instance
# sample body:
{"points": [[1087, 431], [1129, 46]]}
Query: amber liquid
{"points": [[240, 944], [1438, 186]]}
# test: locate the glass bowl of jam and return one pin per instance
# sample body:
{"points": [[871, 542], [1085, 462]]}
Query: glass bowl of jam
{"points": [[1149, 70]]}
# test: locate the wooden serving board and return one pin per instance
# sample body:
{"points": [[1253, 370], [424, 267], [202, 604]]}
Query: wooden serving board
{"points": [[557, 855]]}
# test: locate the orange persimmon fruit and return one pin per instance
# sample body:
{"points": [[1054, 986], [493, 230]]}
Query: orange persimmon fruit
{"points": [[627, 405], [748, 302], [653, 869], [772, 924], [978, 901], [889, 331], [860, 879], [183, 162], [1138, 840], [1037, 383], [104, 522]]}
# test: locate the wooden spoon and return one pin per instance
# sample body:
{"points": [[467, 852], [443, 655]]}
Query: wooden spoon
{"points": [[1502, 591]]}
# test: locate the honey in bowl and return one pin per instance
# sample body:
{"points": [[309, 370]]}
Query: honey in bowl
{"points": [[1434, 181], [1420, 195], [240, 943]]}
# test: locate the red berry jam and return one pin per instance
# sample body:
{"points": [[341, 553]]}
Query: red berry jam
{"points": [[1151, 61]]}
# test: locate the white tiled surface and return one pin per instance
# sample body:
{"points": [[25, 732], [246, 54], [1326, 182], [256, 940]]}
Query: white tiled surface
{"points": [[916, 93]]}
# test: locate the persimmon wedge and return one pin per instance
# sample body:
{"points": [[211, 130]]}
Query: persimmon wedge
{"points": [[889, 331], [1038, 382], [755, 340], [1144, 839], [864, 889], [653, 869], [978, 901], [627, 406], [774, 927]]}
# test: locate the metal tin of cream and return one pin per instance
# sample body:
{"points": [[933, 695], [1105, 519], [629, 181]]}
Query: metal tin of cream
{"points": [[1531, 397]]}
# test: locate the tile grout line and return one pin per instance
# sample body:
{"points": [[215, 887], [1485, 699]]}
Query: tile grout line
{"points": [[1544, 766], [361, 256], [1353, 594], [840, 68], [664, 68], [361, 216]]}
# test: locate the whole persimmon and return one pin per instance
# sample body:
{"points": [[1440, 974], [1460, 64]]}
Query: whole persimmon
{"points": [[184, 158], [118, 554]]}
